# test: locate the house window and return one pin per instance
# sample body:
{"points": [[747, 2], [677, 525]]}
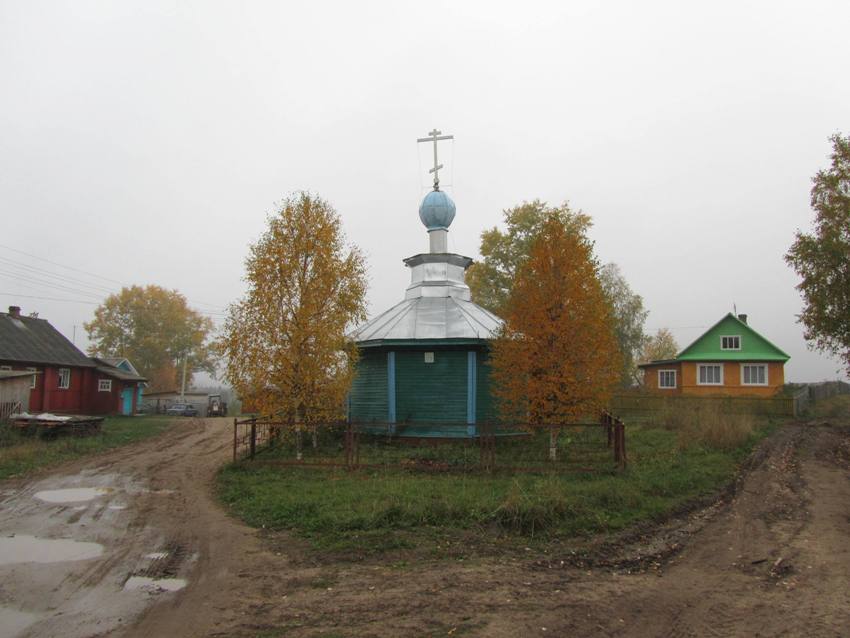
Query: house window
{"points": [[753, 374], [429, 357], [709, 374], [104, 385], [64, 378], [666, 378], [33, 378], [730, 342], [5, 367]]}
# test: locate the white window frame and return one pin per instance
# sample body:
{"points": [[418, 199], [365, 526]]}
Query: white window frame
{"points": [[429, 357], [710, 365], [738, 337], [104, 385], [667, 387], [753, 365], [33, 378], [64, 375]]}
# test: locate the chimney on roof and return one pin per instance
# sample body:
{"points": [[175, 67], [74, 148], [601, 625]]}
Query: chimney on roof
{"points": [[15, 312], [743, 318]]}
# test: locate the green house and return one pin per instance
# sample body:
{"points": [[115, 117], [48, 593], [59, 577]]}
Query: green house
{"points": [[423, 363], [728, 359]]}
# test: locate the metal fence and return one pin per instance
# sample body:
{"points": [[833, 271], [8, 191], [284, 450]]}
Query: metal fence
{"points": [[518, 447]]}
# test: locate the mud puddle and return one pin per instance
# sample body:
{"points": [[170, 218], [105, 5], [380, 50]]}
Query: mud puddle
{"points": [[30, 549], [71, 495], [154, 585], [13, 622]]}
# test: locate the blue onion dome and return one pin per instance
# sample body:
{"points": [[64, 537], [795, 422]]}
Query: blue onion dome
{"points": [[437, 210]]}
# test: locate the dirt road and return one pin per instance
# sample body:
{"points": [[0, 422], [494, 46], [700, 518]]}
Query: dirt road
{"points": [[771, 561]]}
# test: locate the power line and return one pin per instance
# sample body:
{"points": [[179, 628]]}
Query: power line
{"points": [[41, 271], [213, 316], [216, 308], [14, 294], [90, 274], [19, 278]]}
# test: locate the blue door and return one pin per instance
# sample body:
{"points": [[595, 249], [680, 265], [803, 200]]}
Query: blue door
{"points": [[127, 401]]}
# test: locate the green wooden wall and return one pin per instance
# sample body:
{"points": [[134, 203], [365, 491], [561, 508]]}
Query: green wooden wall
{"points": [[485, 410], [424, 392], [431, 392], [368, 399]]}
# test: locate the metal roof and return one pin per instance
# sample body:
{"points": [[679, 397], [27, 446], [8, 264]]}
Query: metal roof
{"points": [[431, 318], [31, 340], [753, 346]]}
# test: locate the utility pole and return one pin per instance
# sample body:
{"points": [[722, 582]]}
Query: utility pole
{"points": [[183, 384]]}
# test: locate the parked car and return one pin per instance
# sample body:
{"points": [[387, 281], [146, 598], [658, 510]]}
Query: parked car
{"points": [[182, 409]]}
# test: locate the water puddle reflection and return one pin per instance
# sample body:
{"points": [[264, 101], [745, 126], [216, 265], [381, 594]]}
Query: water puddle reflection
{"points": [[154, 585], [29, 549], [71, 495], [13, 622]]}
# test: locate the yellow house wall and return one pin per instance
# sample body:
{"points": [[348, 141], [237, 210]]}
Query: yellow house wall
{"points": [[650, 378], [731, 380]]}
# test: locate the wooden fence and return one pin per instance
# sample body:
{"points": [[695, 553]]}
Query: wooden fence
{"points": [[649, 404], [8, 408]]}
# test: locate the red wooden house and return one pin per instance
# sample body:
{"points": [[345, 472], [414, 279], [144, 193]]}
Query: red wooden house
{"points": [[64, 379]]}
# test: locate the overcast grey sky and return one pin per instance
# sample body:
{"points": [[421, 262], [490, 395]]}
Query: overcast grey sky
{"points": [[145, 142]]}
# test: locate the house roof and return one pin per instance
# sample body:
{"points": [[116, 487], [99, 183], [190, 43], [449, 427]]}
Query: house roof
{"points": [[31, 340], [120, 362], [14, 374], [658, 362], [754, 347], [103, 365]]}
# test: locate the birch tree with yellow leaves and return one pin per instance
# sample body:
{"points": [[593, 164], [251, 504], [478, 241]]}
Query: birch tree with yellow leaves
{"points": [[557, 359], [285, 341]]}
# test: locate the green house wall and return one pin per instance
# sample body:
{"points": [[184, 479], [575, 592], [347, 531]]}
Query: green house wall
{"points": [[395, 385]]}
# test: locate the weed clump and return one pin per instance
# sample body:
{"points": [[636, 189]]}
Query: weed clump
{"points": [[527, 512]]}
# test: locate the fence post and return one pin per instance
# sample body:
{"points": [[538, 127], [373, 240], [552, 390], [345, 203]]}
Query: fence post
{"points": [[349, 445], [253, 436], [620, 444], [234, 439], [355, 444]]}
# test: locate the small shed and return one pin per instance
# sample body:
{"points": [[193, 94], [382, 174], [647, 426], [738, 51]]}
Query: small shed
{"points": [[14, 392]]}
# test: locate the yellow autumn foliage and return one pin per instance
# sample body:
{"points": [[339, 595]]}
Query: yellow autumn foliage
{"points": [[557, 359], [285, 341]]}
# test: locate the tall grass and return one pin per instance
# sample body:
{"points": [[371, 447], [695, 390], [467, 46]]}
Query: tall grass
{"points": [[837, 407], [701, 424]]}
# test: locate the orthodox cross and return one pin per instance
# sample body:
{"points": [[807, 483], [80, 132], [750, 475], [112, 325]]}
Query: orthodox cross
{"points": [[435, 136]]}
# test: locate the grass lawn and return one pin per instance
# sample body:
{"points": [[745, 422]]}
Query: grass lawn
{"points": [[375, 509], [22, 454]]}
